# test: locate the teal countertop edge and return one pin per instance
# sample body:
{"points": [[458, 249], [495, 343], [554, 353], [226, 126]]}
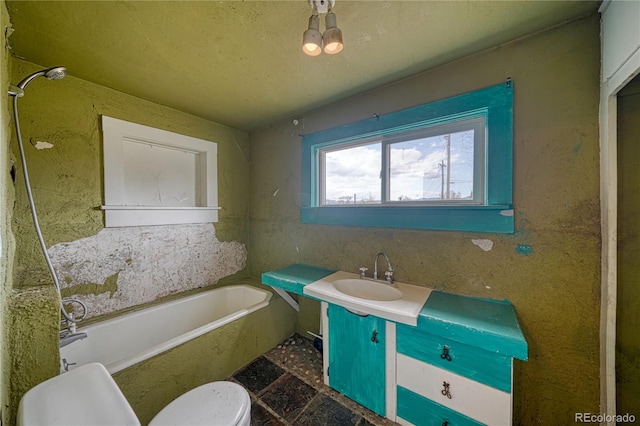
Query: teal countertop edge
{"points": [[293, 278], [485, 323]]}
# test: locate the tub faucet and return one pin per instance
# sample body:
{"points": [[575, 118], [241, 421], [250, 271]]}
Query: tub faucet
{"points": [[70, 338], [388, 274]]}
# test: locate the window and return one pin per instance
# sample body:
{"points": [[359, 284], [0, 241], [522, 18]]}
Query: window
{"points": [[156, 177], [444, 165], [431, 166]]}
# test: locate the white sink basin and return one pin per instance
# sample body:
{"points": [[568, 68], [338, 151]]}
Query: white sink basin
{"points": [[365, 289], [401, 303]]}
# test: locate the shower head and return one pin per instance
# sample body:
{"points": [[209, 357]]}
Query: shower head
{"points": [[55, 73]]}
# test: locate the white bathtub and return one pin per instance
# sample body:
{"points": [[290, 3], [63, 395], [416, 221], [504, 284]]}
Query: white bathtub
{"points": [[126, 340]]}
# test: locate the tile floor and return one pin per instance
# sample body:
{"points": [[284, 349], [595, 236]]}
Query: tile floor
{"points": [[286, 388]]}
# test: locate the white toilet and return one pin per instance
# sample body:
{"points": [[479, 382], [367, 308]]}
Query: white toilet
{"points": [[88, 395], [216, 403]]}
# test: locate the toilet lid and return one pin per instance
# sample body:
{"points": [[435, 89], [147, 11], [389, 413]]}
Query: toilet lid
{"points": [[217, 403]]}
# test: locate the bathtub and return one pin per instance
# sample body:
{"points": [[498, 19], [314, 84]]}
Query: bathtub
{"points": [[129, 339]]}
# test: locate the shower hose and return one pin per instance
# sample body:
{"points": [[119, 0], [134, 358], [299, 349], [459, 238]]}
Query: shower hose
{"points": [[67, 316]]}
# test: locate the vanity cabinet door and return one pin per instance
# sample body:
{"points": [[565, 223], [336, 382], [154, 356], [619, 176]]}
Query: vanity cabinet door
{"points": [[357, 357]]}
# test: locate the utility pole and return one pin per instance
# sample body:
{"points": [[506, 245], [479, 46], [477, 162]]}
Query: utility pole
{"points": [[448, 139], [442, 167]]}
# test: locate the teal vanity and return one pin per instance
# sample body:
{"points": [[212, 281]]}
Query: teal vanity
{"points": [[426, 358]]}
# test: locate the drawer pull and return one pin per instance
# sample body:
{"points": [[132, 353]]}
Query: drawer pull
{"points": [[374, 336], [445, 391], [445, 353], [445, 422]]}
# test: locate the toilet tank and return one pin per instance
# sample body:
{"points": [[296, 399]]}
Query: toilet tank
{"points": [[87, 395]]}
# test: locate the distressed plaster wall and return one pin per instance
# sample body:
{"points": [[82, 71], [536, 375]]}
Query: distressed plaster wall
{"points": [[628, 308], [549, 268], [119, 268]]}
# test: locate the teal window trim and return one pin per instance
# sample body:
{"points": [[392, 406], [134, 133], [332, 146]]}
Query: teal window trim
{"points": [[494, 103]]}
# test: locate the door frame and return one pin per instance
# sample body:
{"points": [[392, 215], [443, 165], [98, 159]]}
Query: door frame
{"points": [[609, 87]]}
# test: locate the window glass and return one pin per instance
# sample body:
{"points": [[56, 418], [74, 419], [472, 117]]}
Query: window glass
{"points": [[435, 165], [440, 166], [432, 169], [352, 175]]}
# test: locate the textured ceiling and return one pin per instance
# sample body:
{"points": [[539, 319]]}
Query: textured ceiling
{"points": [[240, 63]]}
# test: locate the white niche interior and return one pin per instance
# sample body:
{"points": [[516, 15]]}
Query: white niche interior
{"points": [[156, 177]]}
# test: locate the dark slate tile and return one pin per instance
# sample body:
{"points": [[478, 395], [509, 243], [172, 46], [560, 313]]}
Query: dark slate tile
{"points": [[258, 375], [260, 416], [288, 396], [325, 411]]}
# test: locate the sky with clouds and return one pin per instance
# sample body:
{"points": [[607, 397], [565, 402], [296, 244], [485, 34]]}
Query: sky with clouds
{"points": [[416, 169]]}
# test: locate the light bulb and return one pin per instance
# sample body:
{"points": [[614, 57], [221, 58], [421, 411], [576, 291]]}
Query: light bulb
{"points": [[312, 39], [332, 37]]}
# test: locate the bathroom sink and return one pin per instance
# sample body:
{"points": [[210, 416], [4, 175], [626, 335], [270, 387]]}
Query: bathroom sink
{"points": [[365, 289], [400, 303]]}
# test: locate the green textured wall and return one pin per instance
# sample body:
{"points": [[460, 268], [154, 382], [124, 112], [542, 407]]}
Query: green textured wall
{"points": [[6, 237], [30, 318], [628, 309], [549, 269], [33, 325]]}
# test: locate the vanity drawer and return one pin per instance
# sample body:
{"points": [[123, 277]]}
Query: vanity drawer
{"points": [[470, 398], [420, 411], [485, 367]]}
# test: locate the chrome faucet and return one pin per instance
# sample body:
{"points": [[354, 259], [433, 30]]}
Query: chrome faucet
{"points": [[70, 338], [69, 332], [388, 274]]}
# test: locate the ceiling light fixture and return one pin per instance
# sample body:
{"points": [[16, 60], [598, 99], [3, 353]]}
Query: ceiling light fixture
{"points": [[332, 37], [313, 42], [312, 39]]}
